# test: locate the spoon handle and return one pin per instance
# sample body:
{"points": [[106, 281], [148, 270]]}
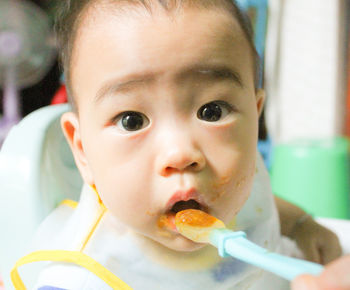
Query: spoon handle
{"points": [[236, 244]]}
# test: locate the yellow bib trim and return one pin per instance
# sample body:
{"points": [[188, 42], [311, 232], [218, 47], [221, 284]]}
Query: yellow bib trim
{"points": [[86, 240], [70, 203], [74, 257]]}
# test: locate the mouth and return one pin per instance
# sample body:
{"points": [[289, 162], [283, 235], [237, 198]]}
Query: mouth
{"points": [[178, 202], [186, 204], [182, 200]]}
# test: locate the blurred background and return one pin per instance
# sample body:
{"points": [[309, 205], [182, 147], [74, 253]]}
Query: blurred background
{"points": [[304, 134], [41, 92]]}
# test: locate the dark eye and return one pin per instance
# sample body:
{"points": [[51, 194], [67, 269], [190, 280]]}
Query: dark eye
{"points": [[132, 121], [213, 111]]}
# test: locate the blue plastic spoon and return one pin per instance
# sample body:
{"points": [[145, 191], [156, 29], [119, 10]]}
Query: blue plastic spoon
{"points": [[200, 227]]}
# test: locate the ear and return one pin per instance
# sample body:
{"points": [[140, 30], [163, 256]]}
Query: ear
{"points": [[260, 100], [71, 130]]}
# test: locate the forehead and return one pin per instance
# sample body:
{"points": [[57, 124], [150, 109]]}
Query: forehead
{"points": [[120, 42], [136, 21]]}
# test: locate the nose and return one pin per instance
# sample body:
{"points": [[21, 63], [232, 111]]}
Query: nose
{"points": [[178, 153]]}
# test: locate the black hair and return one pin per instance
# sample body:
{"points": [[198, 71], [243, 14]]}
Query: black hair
{"points": [[72, 12]]}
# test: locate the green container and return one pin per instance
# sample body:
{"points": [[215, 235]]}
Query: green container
{"points": [[314, 175]]}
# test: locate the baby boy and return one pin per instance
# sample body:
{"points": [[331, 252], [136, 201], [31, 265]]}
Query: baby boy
{"points": [[165, 117]]}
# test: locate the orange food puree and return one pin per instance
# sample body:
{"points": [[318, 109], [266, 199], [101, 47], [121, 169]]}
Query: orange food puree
{"points": [[166, 221], [195, 218]]}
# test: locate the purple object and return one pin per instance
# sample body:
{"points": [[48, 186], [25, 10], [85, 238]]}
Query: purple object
{"points": [[27, 52], [10, 105]]}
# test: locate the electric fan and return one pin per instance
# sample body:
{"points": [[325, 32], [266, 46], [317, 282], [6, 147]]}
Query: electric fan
{"points": [[27, 51]]}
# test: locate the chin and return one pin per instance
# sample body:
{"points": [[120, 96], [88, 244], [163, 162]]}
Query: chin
{"points": [[182, 244]]}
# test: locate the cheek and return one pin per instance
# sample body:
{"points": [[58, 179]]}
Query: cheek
{"points": [[125, 192], [232, 155], [121, 168], [233, 195], [231, 148], [234, 178]]}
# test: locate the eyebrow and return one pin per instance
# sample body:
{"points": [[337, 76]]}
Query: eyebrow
{"points": [[113, 86], [218, 72], [215, 72]]}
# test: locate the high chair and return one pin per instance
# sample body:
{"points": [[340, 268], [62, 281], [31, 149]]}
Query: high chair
{"points": [[37, 172]]}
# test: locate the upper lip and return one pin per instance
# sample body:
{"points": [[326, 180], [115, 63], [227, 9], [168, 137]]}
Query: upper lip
{"points": [[185, 195]]}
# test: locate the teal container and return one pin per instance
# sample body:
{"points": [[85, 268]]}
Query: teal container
{"points": [[314, 174]]}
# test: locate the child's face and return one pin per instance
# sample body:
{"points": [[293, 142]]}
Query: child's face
{"points": [[167, 113]]}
